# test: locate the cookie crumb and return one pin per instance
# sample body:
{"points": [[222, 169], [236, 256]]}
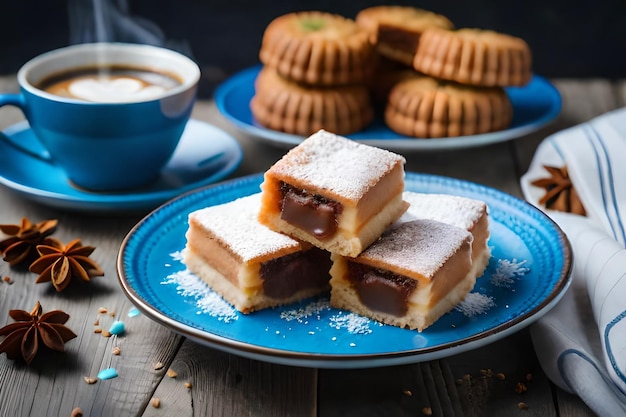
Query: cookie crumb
{"points": [[77, 412], [501, 376], [103, 310], [90, 380], [97, 322], [158, 365], [8, 280], [172, 373], [106, 333], [520, 388], [155, 402], [188, 385], [427, 411], [97, 330], [522, 406], [112, 314], [407, 392], [116, 350]]}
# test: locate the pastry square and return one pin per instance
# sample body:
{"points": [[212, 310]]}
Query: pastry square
{"points": [[467, 213], [413, 274], [249, 265], [334, 193]]}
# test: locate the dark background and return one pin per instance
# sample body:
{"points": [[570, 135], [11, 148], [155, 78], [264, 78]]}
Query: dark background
{"points": [[568, 38]]}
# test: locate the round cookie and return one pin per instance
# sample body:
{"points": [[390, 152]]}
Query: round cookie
{"points": [[424, 107], [395, 30], [317, 48], [290, 107], [474, 57]]}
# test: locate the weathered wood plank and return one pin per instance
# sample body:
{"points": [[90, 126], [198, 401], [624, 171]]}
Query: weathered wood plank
{"points": [[495, 379], [53, 384], [408, 390], [620, 92], [228, 385]]}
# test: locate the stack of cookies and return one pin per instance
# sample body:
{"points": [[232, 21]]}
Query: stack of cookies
{"points": [[430, 80], [441, 81], [315, 73], [333, 213]]}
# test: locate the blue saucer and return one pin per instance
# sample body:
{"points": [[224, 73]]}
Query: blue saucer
{"points": [[204, 155], [534, 106]]}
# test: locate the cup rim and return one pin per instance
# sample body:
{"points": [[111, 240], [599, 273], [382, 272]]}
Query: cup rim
{"points": [[190, 76]]}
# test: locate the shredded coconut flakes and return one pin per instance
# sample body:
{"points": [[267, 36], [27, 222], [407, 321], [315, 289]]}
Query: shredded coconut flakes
{"points": [[177, 256], [507, 272], [352, 322], [207, 300], [303, 313], [474, 304]]}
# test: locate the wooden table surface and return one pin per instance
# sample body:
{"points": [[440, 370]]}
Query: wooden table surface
{"points": [[222, 384]]}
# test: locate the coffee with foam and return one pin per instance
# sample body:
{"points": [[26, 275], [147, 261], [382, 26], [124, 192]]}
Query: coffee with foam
{"points": [[110, 85]]}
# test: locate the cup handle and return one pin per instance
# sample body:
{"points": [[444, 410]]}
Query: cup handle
{"points": [[28, 144]]}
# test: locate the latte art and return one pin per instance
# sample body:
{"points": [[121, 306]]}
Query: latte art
{"points": [[110, 85], [118, 90]]}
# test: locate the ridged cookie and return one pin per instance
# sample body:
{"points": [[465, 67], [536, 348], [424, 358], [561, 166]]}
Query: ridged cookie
{"points": [[317, 48], [424, 107], [474, 57], [284, 105]]}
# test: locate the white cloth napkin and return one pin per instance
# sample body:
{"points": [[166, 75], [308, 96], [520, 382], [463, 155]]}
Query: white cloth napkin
{"points": [[581, 343]]}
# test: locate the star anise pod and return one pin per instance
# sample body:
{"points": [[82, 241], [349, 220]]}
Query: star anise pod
{"points": [[560, 193], [60, 263], [23, 239], [24, 336]]}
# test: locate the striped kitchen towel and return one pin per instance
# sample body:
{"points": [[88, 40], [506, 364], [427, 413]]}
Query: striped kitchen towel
{"points": [[581, 343]]}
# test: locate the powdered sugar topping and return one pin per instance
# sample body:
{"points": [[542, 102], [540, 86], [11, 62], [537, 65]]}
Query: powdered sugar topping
{"points": [[236, 225], [331, 162], [420, 245], [455, 210]]}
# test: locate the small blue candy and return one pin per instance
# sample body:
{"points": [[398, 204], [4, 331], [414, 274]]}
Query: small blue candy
{"points": [[108, 373], [117, 328]]}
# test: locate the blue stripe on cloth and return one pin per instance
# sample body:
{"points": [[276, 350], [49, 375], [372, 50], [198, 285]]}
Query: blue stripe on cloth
{"points": [[608, 347], [595, 398], [607, 185], [556, 148]]}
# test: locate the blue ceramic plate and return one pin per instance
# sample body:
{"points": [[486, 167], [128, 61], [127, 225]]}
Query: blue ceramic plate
{"points": [[534, 106], [527, 274], [205, 154]]}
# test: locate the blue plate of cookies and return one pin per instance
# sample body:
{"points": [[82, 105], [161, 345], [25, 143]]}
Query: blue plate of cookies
{"points": [[535, 105], [527, 274]]}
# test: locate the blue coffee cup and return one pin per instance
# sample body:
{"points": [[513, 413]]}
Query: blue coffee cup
{"points": [[116, 115]]}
